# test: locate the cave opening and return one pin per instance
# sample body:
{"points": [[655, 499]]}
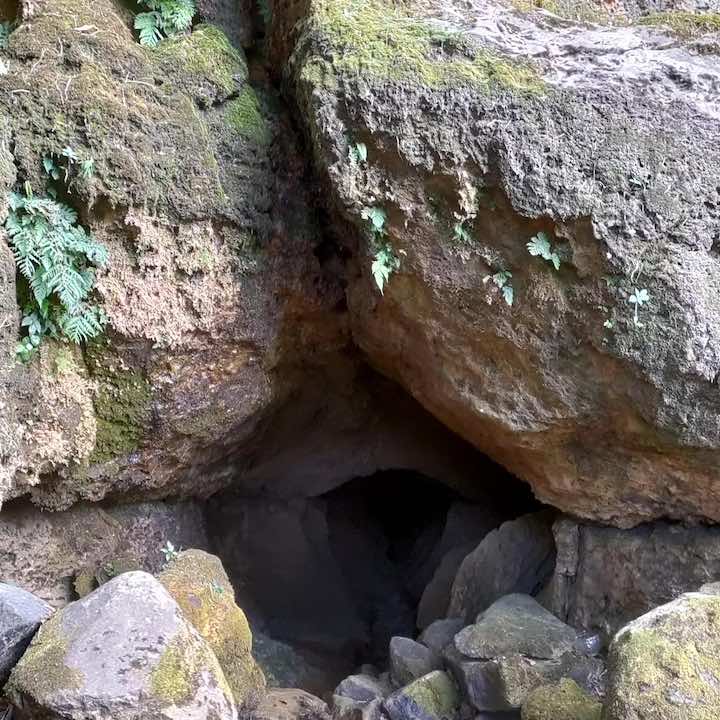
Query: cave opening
{"points": [[327, 580]]}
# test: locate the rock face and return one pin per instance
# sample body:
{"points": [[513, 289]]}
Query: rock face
{"points": [[21, 614], [665, 664], [515, 647], [291, 705], [198, 583], [517, 557], [123, 652], [606, 577], [409, 660], [60, 555], [564, 701], [474, 146]]}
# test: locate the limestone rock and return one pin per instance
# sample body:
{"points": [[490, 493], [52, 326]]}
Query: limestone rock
{"points": [[564, 701], [665, 663], [198, 583], [605, 577], [605, 419], [431, 697], [516, 558], [123, 652], [409, 660], [21, 614], [516, 624], [291, 705], [438, 635]]}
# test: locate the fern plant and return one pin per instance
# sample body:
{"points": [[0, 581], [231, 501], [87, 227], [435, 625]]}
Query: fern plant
{"points": [[503, 281], [163, 18], [385, 262], [6, 28], [539, 245], [56, 260]]}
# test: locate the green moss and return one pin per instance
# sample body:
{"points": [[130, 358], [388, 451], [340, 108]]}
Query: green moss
{"points": [[200, 586], [435, 694], [373, 38], [564, 701], [685, 24], [206, 52], [177, 674], [42, 672], [245, 116], [122, 404]]}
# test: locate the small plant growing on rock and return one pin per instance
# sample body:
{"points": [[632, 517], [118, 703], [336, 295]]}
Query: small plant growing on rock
{"points": [[638, 299], [358, 153], [6, 28], [539, 246], [56, 259], [502, 280], [169, 552], [385, 262], [461, 233], [163, 18]]}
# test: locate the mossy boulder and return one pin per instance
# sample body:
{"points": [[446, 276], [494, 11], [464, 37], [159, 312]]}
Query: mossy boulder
{"points": [[123, 652], [431, 697], [565, 700], [666, 664], [199, 584]]}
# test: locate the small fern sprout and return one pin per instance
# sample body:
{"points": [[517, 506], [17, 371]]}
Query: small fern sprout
{"points": [[539, 245], [358, 153], [502, 280], [461, 233], [638, 299], [385, 261]]}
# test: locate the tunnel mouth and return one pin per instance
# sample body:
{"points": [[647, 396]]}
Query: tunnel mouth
{"points": [[326, 580]]}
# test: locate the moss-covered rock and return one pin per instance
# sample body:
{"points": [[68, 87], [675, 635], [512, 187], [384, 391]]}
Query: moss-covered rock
{"points": [[685, 24], [245, 116], [431, 697], [199, 584], [123, 652], [565, 700], [666, 664]]}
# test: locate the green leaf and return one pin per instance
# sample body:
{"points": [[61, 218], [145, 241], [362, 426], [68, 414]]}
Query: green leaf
{"points": [[377, 217], [148, 25], [508, 294], [539, 245]]}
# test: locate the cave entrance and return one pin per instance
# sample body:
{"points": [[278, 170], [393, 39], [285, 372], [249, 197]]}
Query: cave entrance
{"points": [[327, 580]]}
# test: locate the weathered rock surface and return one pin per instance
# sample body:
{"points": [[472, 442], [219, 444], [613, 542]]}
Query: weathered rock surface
{"points": [[605, 577], [198, 583], [123, 652], [564, 701], [665, 663], [409, 660], [478, 140], [291, 705], [21, 614], [432, 697], [516, 558], [57, 555], [515, 647], [438, 635], [359, 697]]}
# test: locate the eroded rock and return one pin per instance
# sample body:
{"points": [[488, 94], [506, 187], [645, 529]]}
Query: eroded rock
{"points": [[431, 697], [564, 701], [122, 652], [409, 660]]}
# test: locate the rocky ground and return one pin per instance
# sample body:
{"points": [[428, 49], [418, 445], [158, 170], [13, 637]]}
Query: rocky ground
{"points": [[355, 248]]}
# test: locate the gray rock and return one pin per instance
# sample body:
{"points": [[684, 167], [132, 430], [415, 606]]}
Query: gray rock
{"points": [[606, 577], [438, 635], [21, 614], [431, 697], [347, 709], [362, 688], [712, 588], [516, 558], [123, 652], [516, 624], [291, 705], [409, 660]]}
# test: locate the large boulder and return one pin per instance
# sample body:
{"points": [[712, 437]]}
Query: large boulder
{"points": [[515, 647], [291, 705], [665, 663], [438, 635], [605, 577], [360, 697], [123, 652], [198, 583], [475, 141], [410, 660], [516, 558], [21, 614]]}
